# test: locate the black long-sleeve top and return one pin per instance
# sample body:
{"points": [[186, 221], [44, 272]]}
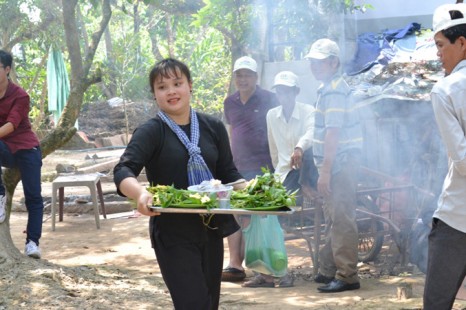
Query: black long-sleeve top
{"points": [[155, 147]]}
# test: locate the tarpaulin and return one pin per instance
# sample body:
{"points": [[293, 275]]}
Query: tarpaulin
{"points": [[57, 82]]}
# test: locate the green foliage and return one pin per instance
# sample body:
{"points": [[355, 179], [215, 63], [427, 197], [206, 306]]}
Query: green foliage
{"points": [[125, 68], [210, 68], [341, 6], [203, 49], [264, 191], [294, 26], [206, 35], [167, 196], [20, 19], [232, 18]]}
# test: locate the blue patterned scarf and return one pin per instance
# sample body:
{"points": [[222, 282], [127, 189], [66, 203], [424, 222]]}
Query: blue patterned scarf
{"points": [[197, 168]]}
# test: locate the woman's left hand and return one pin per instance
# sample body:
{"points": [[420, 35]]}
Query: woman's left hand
{"points": [[238, 184]]}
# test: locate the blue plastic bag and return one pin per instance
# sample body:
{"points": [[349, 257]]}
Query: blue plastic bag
{"points": [[265, 246]]}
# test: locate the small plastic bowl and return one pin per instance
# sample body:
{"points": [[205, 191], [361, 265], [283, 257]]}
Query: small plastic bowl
{"points": [[220, 193]]}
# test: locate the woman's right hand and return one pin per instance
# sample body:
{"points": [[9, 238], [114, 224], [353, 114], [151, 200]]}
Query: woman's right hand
{"points": [[144, 203], [133, 190]]}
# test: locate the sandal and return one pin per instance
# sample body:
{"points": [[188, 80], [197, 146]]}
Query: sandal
{"points": [[231, 274], [258, 281], [286, 281]]}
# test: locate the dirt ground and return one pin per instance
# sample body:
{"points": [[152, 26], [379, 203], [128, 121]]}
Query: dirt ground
{"points": [[115, 268]]}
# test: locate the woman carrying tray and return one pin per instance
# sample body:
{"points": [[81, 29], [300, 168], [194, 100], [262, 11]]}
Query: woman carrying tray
{"points": [[181, 147]]}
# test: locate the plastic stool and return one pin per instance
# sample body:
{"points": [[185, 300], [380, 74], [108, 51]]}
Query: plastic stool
{"points": [[90, 180]]}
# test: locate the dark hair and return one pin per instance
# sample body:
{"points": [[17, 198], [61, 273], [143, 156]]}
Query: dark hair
{"points": [[167, 68], [6, 58], [457, 31]]}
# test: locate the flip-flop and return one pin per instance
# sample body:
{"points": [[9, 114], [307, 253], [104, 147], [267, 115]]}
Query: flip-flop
{"points": [[258, 281], [231, 274]]}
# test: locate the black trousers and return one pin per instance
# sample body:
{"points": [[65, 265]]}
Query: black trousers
{"points": [[446, 266], [192, 272]]}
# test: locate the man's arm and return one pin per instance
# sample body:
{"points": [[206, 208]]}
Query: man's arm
{"points": [[273, 150], [305, 141], [451, 132], [228, 127], [6, 129], [330, 150]]}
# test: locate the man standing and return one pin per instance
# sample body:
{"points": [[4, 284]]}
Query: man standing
{"points": [[446, 265], [19, 148], [290, 130], [337, 147], [245, 113]]}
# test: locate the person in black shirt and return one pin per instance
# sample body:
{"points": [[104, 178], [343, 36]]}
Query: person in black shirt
{"points": [[189, 254]]}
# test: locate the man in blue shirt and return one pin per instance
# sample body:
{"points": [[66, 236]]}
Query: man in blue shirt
{"points": [[337, 145]]}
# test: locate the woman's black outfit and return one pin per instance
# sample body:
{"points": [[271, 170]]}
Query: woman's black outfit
{"points": [[190, 254]]}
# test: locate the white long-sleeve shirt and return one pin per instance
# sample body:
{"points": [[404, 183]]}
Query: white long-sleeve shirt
{"points": [[285, 136], [449, 104]]}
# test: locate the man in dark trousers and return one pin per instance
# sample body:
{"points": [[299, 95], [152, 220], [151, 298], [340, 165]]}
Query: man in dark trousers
{"points": [[446, 262], [245, 115], [19, 148]]}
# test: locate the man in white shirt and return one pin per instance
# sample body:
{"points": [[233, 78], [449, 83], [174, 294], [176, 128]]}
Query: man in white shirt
{"points": [[290, 130], [446, 265]]}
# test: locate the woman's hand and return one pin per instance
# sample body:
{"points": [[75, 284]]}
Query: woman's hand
{"points": [[133, 190], [144, 202], [238, 184]]}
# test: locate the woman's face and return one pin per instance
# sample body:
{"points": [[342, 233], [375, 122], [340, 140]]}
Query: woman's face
{"points": [[173, 94]]}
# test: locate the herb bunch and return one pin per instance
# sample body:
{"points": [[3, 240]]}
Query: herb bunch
{"points": [[263, 191], [166, 196]]}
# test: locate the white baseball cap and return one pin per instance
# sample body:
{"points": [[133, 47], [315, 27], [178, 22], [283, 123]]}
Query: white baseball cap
{"points": [[323, 48], [245, 62], [286, 78], [444, 16]]}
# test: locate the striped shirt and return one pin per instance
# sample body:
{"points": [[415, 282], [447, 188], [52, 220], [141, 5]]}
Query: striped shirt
{"points": [[336, 109]]}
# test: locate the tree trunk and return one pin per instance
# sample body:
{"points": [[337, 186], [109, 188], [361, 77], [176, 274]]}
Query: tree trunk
{"points": [[109, 90], [80, 81]]}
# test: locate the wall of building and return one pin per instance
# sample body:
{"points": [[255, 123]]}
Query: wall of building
{"points": [[396, 14], [308, 84]]}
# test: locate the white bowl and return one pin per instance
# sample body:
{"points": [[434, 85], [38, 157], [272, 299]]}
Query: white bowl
{"points": [[221, 193]]}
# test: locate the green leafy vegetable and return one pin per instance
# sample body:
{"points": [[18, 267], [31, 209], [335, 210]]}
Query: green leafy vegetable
{"points": [[167, 196], [264, 191]]}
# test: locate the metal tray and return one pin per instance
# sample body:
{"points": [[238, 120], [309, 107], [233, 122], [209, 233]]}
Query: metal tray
{"points": [[222, 211]]}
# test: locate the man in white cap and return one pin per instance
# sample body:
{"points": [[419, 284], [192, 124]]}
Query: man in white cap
{"points": [[337, 146], [289, 128], [446, 265], [245, 113]]}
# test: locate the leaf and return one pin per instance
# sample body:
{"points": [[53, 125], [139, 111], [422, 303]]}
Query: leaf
{"points": [[264, 191], [167, 196]]}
